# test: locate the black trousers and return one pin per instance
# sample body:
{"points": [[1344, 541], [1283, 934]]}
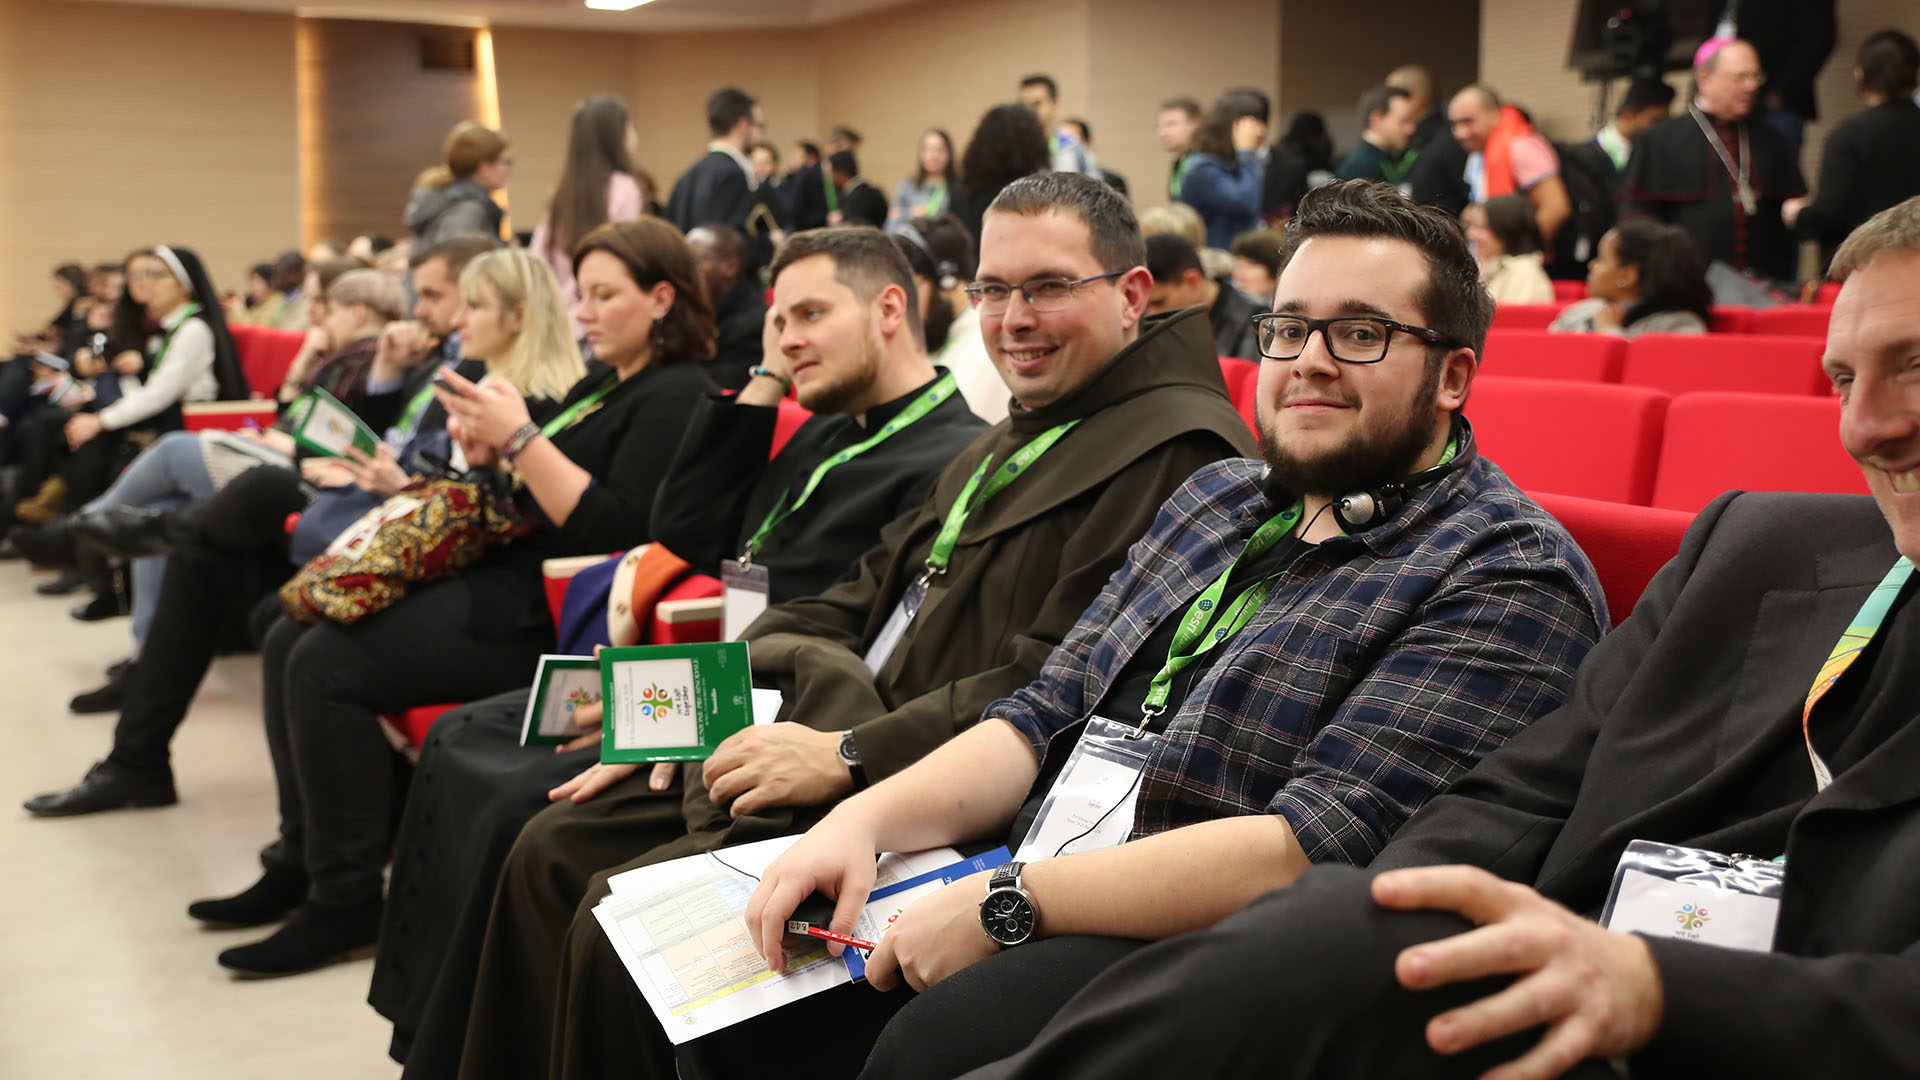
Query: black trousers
{"points": [[1298, 984], [212, 586], [43, 449], [325, 689]]}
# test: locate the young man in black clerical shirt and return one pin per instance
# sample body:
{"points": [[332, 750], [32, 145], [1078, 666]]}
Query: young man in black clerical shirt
{"points": [[719, 187], [1387, 120], [1702, 864], [1718, 174], [1179, 281]]}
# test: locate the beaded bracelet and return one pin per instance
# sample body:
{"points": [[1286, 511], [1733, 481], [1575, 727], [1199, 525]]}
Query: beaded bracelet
{"points": [[759, 370], [516, 442]]}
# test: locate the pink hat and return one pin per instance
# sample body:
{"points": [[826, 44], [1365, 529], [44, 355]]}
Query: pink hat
{"points": [[1705, 53]]}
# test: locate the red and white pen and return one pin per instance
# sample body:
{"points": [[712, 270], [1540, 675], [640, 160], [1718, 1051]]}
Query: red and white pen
{"points": [[807, 929]]}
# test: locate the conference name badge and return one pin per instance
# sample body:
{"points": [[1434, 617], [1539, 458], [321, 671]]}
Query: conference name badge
{"points": [[1691, 894], [747, 588]]}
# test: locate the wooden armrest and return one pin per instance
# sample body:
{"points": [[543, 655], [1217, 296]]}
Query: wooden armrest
{"points": [[563, 568], [703, 609]]}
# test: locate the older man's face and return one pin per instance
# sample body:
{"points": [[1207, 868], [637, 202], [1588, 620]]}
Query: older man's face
{"points": [[1873, 357]]}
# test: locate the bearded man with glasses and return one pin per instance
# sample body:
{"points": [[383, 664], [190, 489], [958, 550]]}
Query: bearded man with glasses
{"points": [[1300, 653]]}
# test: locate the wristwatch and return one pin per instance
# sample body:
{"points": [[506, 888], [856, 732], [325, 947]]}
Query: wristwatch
{"points": [[1007, 914], [850, 757]]}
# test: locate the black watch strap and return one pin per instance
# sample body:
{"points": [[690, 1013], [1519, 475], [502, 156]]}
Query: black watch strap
{"points": [[1005, 876], [850, 757]]}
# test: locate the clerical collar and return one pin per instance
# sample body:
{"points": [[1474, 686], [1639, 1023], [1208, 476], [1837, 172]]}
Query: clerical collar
{"points": [[740, 159], [887, 410]]}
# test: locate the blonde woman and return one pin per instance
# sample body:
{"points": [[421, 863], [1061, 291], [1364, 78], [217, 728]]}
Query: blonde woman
{"points": [[456, 196], [515, 320]]}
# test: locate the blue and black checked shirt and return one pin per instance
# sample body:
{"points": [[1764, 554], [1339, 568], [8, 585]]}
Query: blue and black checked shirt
{"points": [[1383, 665]]}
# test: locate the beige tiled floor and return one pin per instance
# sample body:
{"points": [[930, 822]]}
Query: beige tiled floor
{"points": [[101, 972]]}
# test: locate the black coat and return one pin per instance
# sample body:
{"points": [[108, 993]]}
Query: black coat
{"points": [[721, 487], [1675, 175], [715, 190], [1871, 161], [741, 313], [1684, 727]]}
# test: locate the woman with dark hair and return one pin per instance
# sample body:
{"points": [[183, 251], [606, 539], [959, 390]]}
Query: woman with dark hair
{"points": [[1225, 192], [586, 483], [1871, 160], [599, 183], [943, 259], [456, 196], [929, 190], [1506, 242], [1308, 139], [1646, 278], [1009, 143]]}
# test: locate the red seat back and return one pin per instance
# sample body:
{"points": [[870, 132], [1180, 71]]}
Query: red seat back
{"points": [[1568, 291], [1724, 319], [1595, 440], [791, 416], [1829, 292], [1749, 363], [1626, 544], [265, 355], [693, 587], [1243, 386], [1525, 316], [1756, 442], [1793, 320], [1537, 354]]}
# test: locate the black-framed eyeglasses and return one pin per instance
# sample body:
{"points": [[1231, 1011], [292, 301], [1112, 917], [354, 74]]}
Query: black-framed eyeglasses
{"points": [[1041, 294], [1350, 339]]}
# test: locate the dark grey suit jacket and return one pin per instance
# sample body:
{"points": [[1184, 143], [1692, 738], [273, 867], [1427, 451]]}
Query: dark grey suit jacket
{"points": [[1678, 722]]}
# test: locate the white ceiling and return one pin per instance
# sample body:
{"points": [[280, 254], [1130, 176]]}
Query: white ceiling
{"points": [[568, 14]]}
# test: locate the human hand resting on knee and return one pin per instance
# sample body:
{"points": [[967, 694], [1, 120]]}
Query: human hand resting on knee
{"points": [[784, 764], [1597, 992]]}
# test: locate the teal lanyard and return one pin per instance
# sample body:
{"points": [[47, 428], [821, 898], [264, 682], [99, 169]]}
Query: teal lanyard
{"points": [[418, 405], [1205, 626], [1853, 641], [1179, 175], [572, 413], [166, 346], [935, 200], [939, 392], [976, 493]]}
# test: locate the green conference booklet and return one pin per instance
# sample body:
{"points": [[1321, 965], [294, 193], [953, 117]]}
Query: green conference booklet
{"points": [[328, 428], [560, 685], [673, 702]]}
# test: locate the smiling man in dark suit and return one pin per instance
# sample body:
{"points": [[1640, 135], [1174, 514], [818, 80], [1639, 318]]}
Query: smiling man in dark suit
{"points": [[1760, 699]]}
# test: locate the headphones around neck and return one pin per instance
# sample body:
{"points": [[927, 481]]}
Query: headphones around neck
{"points": [[945, 273], [1370, 506]]}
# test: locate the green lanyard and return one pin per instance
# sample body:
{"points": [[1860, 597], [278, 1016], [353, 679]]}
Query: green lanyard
{"points": [[572, 413], [1853, 641], [1179, 175], [940, 391], [976, 494], [166, 346], [826, 181], [936, 200], [1396, 172], [418, 405], [1205, 626]]}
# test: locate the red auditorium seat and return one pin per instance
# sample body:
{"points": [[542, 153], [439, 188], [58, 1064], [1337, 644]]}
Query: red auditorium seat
{"points": [[1626, 544], [1795, 320], [791, 416], [1755, 442], [1243, 385], [1525, 316], [1568, 291], [1829, 292], [1538, 354], [1730, 320], [1751, 363], [265, 355], [1595, 440]]}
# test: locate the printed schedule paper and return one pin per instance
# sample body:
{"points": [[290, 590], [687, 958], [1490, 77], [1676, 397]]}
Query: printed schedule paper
{"points": [[673, 702], [679, 928]]}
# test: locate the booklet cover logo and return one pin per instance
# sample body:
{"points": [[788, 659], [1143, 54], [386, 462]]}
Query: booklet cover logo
{"points": [[663, 709], [656, 702]]}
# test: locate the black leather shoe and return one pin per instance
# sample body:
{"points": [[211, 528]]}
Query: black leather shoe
{"points": [[108, 698], [10, 552], [316, 936], [278, 892], [127, 531], [106, 787], [45, 545], [104, 605], [67, 583]]}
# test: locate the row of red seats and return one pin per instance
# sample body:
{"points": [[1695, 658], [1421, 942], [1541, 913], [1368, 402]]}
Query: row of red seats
{"points": [[1567, 292], [265, 356], [1804, 320], [1675, 363], [1633, 444]]}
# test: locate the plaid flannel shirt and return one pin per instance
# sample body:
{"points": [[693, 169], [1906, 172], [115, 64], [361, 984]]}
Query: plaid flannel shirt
{"points": [[1382, 666]]}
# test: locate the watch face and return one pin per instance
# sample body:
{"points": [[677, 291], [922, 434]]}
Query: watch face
{"points": [[849, 750], [1008, 917]]}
